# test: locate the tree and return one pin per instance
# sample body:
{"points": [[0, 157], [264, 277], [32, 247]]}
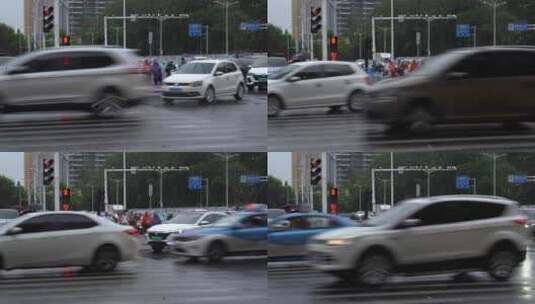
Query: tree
{"points": [[11, 42], [278, 194], [9, 194]]}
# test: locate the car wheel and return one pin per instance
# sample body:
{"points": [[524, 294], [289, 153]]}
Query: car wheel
{"points": [[250, 88], [421, 120], [157, 248], [240, 91], [501, 264], [374, 270], [106, 259], [108, 104], [215, 252], [209, 96], [354, 103], [274, 106]]}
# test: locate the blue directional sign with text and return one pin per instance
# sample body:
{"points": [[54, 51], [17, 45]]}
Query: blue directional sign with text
{"points": [[517, 179], [253, 27], [462, 182], [251, 179], [195, 183], [518, 27], [462, 30], [195, 30]]}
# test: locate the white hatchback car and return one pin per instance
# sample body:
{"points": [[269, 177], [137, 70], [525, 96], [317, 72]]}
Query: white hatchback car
{"points": [[157, 234], [58, 239], [317, 84], [205, 81]]}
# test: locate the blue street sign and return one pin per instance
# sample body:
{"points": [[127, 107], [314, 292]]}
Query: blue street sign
{"points": [[462, 182], [517, 179], [250, 179], [195, 183], [195, 30], [518, 27], [462, 30], [253, 27]]}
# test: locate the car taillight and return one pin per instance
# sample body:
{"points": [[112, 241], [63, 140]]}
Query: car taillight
{"points": [[521, 221], [131, 232]]}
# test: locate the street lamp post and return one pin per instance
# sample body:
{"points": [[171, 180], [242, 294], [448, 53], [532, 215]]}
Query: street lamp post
{"points": [[392, 28], [494, 157], [124, 24], [226, 5], [494, 4]]}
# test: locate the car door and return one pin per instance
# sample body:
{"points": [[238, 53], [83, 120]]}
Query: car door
{"points": [[36, 246], [219, 81], [464, 91], [516, 84], [80, 230], [438, 237], [307, 91], [234, 77], [252, 232], [339, 80]]}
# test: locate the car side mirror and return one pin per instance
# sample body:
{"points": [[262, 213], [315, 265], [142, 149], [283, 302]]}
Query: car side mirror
{"points": [[409, 223], [14, 230], [294, 79], [456, 75], [203, 223], [219, 73], [18, 70]]}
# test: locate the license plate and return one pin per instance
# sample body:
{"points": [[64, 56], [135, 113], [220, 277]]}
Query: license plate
{"points": [[176, 90], [156, 238]]}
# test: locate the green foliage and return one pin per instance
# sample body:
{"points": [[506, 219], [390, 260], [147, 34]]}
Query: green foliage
{"points": [[9, 197], [278, 194], [11, 40], [175, 32]]}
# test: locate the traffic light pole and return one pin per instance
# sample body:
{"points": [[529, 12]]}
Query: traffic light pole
{"points": [[56, 182], [56, 26], [324, 182], [325, 52]]}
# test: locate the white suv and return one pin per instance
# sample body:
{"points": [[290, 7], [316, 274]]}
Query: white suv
{"points": [[317, 84], [205, 81], [456, 233]]}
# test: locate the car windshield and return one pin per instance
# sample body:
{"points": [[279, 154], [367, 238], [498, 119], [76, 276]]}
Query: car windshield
{"points": [[227, 221], [438, 64], [276, 62], [283, 72], [393, 215], [260, 63], [275, 213], [185, 218], [196, 68], [8, 214]]}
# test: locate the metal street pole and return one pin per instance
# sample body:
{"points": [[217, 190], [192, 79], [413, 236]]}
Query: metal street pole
{"points": [[161, 35], [207, 192], [428, 37], [92, 198], [324, 182], [226, 5], [373, 39], [124, 27], [392, 28], [56, 23], [392, 179], [494, 4], [324, 32], [105, 31], [57, 177], [161, 189], [124, 180], [428, 183], [116, 192]]}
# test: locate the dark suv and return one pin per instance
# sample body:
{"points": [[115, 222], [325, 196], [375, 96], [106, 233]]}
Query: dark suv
{"points": [[488, 84]]}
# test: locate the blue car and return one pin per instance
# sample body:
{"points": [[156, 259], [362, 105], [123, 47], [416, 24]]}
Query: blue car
{"points": [[240, 234], [289, 234]]}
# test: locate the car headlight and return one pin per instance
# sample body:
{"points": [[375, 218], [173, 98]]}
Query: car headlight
{"points": [[196, 84], [337, 242]]}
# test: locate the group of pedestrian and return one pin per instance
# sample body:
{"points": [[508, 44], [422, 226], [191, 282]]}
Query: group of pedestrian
{"points": [[141, 220], [159, 70]]}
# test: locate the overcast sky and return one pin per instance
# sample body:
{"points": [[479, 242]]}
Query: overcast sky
{"points": [[279, 165], [12, 164], [279, 13], [12, 13]]}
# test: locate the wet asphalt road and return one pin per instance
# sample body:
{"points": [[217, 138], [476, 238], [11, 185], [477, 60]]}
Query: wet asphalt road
{"points": [[227, 125], [321, 130], [296, 283], [161, 278]]}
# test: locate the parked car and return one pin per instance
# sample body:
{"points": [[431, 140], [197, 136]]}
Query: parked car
{"points": [[205, 81], [530, 213], [454, 233], [242, 234], [317, 84], [8, 215], [476, 85], [289, 234], [58, 239], [157, 235], [97, 79], [261, 68]]}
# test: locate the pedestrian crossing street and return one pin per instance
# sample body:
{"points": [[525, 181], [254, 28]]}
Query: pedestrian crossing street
{"points": [[185, 126], [301, 284]]}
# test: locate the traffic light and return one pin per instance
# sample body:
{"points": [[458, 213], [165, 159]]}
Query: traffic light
{"points": [[315, 19], [315, 171], [48, 171], [66, 40], [66, 198], [333, 200], [333, 47], [48, 18]]}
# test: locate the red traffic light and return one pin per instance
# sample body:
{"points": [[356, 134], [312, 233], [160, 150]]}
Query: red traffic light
{"points": [[66, 40], [333, 192], [66, 192]]}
